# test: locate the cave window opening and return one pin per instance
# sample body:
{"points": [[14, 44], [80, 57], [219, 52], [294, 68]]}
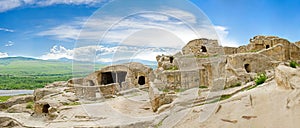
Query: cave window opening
{"points": [[267, 46], [108, 78], [45, 108], [171, 59], [247, 68], [203, 49], [141, 80]]}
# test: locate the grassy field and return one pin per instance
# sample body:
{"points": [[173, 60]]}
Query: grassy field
{"points": [[27, 73]]}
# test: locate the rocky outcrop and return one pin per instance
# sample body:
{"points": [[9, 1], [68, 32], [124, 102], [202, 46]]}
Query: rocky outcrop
{"points": [[21, 108], [6, 122], [56, 84], [16, 100], [74, 81], [41, 92], [287, 77], [158, 98], [298, 43]]}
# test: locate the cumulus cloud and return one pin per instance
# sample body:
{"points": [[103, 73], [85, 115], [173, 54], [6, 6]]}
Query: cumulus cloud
{"points": [[57, 52], [6, 5], [9, 44], [5, 29], [3, 55]]}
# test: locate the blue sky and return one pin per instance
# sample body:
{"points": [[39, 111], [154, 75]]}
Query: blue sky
{"points": [[49, 29]]}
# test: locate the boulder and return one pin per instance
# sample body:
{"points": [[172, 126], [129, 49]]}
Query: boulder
{"points": [[287, 77], [41, 92]]}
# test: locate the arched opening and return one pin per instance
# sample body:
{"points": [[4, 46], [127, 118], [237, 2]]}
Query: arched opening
{"points": [[141, 80], [203, 49], [267, 46], [171, 59], [247, 68], [45, 108]]}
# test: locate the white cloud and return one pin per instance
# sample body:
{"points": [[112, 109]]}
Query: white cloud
{"points": [[9, 4], [223, 37], [9, 44], [57, 52], [155, 17], [3, 55], [134, 25], [62, 32], [6, 5], [74, 2], [105, 54], [182, 15], [5, 29]]}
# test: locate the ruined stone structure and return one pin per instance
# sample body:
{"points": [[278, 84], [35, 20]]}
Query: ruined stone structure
{"points": [[129, 75], [112, 79], [272, 46], [238, 65], [199, 75], [202, 47]]}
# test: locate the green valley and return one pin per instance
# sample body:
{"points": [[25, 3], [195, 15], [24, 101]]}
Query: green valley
{"points": [[29, 73]]}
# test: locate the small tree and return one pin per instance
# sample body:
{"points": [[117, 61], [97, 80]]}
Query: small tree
{"points": [[294, 64]]}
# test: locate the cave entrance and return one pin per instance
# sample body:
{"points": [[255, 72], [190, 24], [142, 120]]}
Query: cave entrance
{"points": [[267, 46], [107, 78], [247, 68], [45, 108], [121, 77], [203, 49], [171, 59], [141, 80]]}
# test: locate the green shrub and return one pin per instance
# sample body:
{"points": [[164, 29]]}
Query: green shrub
{"points": [[224, 97], [260, 78], [166, 90], [294, 64], [29, 105], [173, 68], [203, 86]]}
